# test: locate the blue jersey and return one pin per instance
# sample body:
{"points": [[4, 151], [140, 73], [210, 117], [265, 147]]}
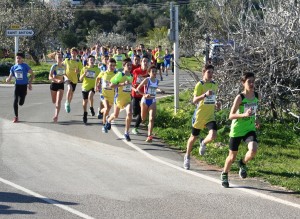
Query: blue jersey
{"points": [[20, 71], [167, 58]]}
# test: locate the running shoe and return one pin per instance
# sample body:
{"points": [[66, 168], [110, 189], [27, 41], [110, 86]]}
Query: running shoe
{"points": [[161, 78], [127, 137], [108, 125], [104, 129], [135, 131], [84, 118], [243, 169], [92, 111], [186, 162], [224, 180], [15, 120], [202, 147], [100, 115], [67, 107], [149, 139]]}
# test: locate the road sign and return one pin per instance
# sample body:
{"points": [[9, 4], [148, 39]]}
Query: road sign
{"points": [[19, 32], [15, 26]]}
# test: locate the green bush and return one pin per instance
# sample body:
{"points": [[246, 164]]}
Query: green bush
{"points": [[5, 65]]}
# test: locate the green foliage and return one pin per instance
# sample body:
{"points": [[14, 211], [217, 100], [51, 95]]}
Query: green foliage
{"points": [[278, 156], [5, 65], [41, 73]]}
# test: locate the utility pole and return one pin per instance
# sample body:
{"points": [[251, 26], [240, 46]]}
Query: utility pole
{"points": [[174, 37]]}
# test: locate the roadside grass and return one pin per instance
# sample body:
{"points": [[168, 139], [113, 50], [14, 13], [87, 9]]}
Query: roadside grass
{"points": [[191, 63], [41, 72], [278, 156]]}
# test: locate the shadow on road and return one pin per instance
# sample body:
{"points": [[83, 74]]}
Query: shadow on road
{"points": [[268, 190], [4, 209], [19, 198]]}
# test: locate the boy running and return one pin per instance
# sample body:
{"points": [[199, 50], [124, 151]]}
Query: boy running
{"points": [[204, 116], [88, 77], [243, 127], [139, 75], [20, 71], [122, 84], [107, 93], [73, 68]]}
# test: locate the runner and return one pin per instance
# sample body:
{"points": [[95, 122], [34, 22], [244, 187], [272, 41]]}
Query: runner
{"points": [[20, 71], [88, 77], [148, 105], [243, 127], [73, 68], [56, 76], [167, 61], [122, 82], [119, 57], [204, 115], [107, 93], [103, 68], [136, 62], [159, 56], [139, 75]]}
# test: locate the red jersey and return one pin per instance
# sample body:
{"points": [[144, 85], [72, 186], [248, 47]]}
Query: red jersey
{"points": [[134, 67], [138, 76]]}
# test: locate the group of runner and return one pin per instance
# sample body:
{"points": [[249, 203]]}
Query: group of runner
{"points": [[133, 86], [244, 118], [116, 76]]}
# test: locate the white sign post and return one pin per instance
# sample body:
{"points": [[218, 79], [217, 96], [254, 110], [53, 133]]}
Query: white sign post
{"points": [[17, 33]]}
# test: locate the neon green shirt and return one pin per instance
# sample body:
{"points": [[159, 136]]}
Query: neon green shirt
{"points": [[119, 59], [205, 111], [71, 65], [88, 81], [240, 127], [123, 92]]}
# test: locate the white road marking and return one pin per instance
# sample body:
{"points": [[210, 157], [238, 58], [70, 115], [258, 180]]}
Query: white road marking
{"points": [[261, 195], [48, 200]]}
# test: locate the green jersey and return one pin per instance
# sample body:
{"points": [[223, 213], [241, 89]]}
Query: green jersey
{"points": [[240, 127]]}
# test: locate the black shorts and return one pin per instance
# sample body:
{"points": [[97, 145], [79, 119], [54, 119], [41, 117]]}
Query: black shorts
{"points": [[235, 141], [136, 107], [159, 65], [56, 86], [72, 85], [210, 126], [85, 94]]}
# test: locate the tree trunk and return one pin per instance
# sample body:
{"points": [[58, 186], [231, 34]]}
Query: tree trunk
{"points": [[35, 58]]}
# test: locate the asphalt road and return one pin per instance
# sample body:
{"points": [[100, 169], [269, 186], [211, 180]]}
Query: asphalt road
{"points": [[72, 170]]}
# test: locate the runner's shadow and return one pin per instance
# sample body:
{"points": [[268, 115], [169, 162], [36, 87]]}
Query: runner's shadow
{"points": [[268, 190], [20, 198], [4, 209]]}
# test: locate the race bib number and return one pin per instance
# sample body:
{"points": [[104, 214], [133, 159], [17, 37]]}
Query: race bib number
{"points": [[105, 85], [19, 75], [139, 79], [152, 91], [211, 99], [252, 106], [127, 88], [90, 74], [60, 72]]}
